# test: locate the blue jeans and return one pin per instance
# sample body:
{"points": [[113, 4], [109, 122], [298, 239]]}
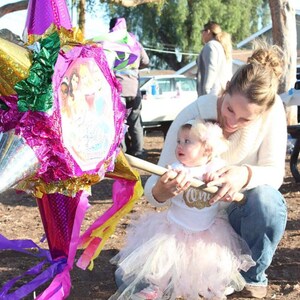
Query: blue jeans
{"points": [[260, 221]]}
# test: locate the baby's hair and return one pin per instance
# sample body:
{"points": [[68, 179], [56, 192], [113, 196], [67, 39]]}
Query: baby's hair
{"points": [[210, 134]]}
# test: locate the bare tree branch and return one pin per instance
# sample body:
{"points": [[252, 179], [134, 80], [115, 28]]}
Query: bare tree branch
{"points": [[11, 7]]}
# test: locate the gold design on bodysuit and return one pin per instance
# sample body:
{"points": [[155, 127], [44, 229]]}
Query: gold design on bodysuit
{"points": [[194, 197]]}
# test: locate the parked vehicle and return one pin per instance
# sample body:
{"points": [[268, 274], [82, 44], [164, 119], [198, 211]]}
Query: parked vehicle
{"points": [[164, 96]]}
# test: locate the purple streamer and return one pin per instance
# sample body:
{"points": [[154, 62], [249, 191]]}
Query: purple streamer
{"points": [[55, 267], [22, 245]]}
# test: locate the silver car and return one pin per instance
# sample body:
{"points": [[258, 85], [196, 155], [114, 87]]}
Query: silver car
{"points": [[163, 97]]}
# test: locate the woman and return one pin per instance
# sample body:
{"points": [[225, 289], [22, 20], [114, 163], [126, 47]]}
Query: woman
{"points": [[214, 61], [253, 120]]}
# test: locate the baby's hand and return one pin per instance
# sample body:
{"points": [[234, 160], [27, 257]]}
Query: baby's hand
{"points": [[170, 184]]}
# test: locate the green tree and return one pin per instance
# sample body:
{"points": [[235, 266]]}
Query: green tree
{"points": [[178, 24]]}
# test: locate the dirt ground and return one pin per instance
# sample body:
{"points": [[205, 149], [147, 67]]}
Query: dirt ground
{"points": [[19, 219]]}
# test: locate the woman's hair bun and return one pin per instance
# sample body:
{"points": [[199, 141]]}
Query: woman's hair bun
{"points": [[270, 56]]}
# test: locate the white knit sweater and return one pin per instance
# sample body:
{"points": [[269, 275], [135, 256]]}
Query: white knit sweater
{"points": [[261, 145]]}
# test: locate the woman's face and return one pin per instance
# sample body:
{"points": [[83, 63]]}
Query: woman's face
{"points": [[236, 112]]}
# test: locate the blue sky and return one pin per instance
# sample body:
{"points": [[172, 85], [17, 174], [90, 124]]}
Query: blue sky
{"points": [[16, 22]]}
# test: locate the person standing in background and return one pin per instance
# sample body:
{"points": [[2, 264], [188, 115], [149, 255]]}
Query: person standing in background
{"points": [[214, 61], [129, 80]]}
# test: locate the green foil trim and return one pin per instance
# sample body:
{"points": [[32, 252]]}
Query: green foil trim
{"points": [[35, 93]]}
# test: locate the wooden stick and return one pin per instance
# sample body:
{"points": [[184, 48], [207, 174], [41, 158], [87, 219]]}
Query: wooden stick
{"points": [[158, 170]]}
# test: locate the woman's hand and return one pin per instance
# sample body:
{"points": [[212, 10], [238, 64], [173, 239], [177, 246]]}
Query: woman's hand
{"points": [[170, 184], [230, 179]]}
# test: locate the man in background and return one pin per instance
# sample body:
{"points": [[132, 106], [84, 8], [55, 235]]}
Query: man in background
{"points": [[128, 76]]}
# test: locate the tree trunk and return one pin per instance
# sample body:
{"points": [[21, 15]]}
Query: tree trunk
{"points": [[81, 15], [285, 35], [12, 7]]}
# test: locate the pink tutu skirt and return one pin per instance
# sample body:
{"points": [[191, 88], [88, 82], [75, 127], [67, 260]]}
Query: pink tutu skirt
{"points": [[180, 263]]}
